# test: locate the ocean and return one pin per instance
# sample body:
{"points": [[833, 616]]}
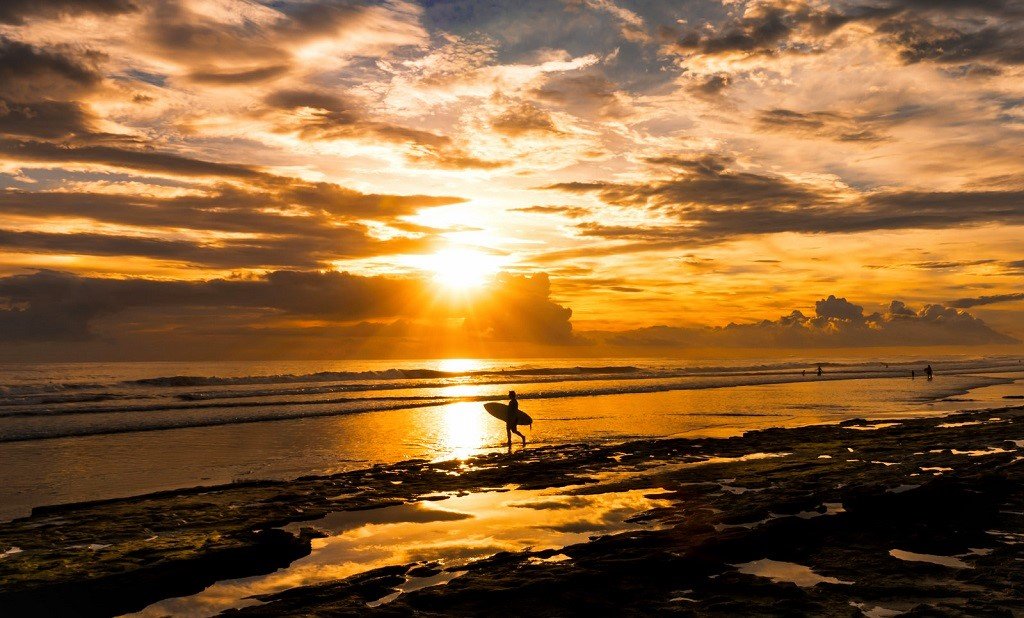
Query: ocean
{"points": [[77, 432]]}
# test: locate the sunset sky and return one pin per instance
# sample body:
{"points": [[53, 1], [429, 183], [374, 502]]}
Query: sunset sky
{"points": [[207, 179]]}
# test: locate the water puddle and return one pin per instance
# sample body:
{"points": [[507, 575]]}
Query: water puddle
{"points": [[873, 427], [969, 423], [628, 473], [875, 611], [438, 535], [947, 561], [900, 489], [11, 552], [992, 450], [786, 572], [826, 509]]}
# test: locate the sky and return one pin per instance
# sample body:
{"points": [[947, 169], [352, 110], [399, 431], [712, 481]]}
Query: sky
{"points": [[185, 179]]}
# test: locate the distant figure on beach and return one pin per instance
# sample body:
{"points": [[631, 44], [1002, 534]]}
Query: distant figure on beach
{"points": [[928, 371], [803, 372], [913, 374], [820, 371], [510, 420]]}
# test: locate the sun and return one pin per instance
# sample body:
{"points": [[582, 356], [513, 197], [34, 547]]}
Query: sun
{"points": [[461, 269]]}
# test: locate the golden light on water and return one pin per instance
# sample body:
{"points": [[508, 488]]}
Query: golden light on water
{"points": [[459, 365], [465, 429]]}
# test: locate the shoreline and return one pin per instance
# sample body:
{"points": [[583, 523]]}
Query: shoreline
{"points": [[950, 394], [134, 551], [986, 377]]}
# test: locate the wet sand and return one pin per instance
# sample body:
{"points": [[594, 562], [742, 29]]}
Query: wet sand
{"points": [[863, 517]]}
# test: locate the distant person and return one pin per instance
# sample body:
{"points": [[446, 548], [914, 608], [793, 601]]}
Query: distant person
{"points": [[819, 372], [913, 374], [803, 372], [510, 420], [928, 371]]}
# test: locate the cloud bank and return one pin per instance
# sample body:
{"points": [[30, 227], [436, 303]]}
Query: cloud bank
{"points": [[837, 323]]}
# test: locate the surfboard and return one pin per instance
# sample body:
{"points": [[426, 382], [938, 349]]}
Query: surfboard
{"points": [[500, 412]]}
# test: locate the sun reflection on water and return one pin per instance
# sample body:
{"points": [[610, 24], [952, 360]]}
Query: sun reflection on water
{"points": [[448, 534], [463, 429], [459, 365]]}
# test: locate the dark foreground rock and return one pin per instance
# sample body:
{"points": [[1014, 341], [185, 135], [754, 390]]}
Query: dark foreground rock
{"points": [[924, 516]]}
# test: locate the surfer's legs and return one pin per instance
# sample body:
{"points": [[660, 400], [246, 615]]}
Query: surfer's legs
{"points": [[508, 432], [515, 431]]}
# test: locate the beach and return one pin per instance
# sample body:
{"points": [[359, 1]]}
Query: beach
{"points": [[75, 432], [545, 308], [868, 514]]}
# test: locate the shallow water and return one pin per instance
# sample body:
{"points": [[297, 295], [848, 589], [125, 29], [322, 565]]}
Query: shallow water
{"points": [[443, 536], [148, 435], [788, 572]]}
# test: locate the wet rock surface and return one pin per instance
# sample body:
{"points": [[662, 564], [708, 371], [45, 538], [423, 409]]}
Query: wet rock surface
{"points": [[912, 515]]}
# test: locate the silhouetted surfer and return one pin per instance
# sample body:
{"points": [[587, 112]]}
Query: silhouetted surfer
{"points": [[928, 371], [510, 420], [819, 372]]}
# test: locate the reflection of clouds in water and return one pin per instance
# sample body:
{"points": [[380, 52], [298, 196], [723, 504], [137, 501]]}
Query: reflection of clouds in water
{"points": [[342, 521], [552, 505], [451, 532], [778, 572]]}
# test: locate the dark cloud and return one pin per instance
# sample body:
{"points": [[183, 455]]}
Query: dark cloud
{"points": [[48, 305], [316, 115], [17, 11], [261, 251], [521, 118], [519, 309], [187, 38], [921, 39], [829, 125], [967, 303], [247, 50], [288, 223], [29, 73], [763, 27], [840, 308], [126, 158], [713, 204], [38, 91], [225, 208], [573, 212], [954, 32], [711, 86], [587, 93], [705, 180], [837, 324], [950, 264], [44, 119], [238, 76]]}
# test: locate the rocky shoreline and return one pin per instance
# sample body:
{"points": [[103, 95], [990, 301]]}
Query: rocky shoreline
{"points": [[922, 515]]}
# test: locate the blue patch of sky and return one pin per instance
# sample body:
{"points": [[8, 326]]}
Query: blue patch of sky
{"points": [[145, 76], [48, 179], [521, 29]]}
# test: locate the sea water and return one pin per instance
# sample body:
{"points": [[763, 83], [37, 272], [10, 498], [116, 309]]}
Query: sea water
{"points": [[73, 432]]}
